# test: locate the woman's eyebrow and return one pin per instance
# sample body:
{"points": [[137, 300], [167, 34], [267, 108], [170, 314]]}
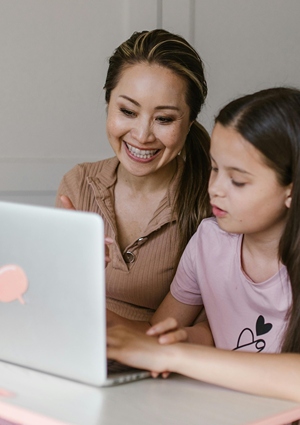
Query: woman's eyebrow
{"points": [[130, 100], [174, 108]]}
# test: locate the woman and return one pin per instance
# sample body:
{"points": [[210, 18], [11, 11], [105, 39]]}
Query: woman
{"points": [[153, 194]]}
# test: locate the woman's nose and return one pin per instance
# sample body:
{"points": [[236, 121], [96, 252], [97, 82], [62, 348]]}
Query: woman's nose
{"points": [[143, 132]]}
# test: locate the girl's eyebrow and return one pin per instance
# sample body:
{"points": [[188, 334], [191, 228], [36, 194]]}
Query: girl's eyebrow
{"points": [[239, 170], [174, 108]]}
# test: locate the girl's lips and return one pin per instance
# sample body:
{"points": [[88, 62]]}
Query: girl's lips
{"points": [[218, 212]]}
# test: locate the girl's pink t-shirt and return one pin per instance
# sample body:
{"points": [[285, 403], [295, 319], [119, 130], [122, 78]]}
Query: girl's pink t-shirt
{"points": [[243, 315]]}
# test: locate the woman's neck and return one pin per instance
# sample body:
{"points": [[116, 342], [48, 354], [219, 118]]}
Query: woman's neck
{"points": [[150, 183]]}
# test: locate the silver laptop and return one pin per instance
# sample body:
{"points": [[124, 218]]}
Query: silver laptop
{"points": [[52, 293]]}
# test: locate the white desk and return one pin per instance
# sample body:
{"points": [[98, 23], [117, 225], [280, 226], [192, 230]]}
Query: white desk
{"points": [[176, 401]]}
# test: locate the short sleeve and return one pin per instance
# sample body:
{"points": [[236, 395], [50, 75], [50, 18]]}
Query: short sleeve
{"points": [[185, 286], [70, 186]]}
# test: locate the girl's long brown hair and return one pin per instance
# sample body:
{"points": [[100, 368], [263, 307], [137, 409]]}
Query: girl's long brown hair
{"points": [[270, 120]]}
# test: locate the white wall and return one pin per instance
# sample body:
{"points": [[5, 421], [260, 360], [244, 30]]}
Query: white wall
{"points": [[53, 61]]}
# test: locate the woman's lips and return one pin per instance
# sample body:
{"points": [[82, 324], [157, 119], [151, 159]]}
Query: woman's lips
{"points": [[143, 155]]}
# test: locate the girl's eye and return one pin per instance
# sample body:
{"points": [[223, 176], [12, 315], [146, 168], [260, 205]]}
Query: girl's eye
{"points": [[164, 120], [238, 184], [128, 113], [214, 169]]}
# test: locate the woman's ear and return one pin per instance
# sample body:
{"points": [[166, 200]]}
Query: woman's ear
{"points": [[191, 123], [288, 199]]}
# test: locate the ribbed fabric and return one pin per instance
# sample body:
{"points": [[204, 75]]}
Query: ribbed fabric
{"points": [[133, 290]]}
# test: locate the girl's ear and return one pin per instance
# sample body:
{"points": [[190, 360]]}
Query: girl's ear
{"points": [[288, 199]]}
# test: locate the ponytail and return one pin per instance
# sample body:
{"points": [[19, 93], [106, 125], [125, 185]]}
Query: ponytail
{"points": [[192, 199]]}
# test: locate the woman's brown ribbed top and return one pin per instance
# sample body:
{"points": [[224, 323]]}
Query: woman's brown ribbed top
{"points": [[134, 290]]}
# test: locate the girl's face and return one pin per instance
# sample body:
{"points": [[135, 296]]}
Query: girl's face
{"points": [[148, 118], [244, 192]]}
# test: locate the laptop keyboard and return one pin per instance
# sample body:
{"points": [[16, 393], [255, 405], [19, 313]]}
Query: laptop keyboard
{"points": [[115, 367]]}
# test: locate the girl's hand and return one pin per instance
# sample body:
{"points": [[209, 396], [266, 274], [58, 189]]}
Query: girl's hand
{"points": [[136, 349], [68, 205], [168, 331]]}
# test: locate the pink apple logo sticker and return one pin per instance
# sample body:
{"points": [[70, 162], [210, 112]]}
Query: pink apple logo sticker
{"points": [[6, 393], [13, 283]]}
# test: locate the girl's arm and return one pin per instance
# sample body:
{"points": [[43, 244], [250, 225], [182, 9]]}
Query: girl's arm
{"points": [[184, 315], [272, 375], [170, 329], [172, 322]]}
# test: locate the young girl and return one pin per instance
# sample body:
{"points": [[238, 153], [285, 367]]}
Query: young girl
{"points": [[243, 265]]}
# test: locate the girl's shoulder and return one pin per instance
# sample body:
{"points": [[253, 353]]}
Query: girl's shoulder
{"points": [[209, 230]]}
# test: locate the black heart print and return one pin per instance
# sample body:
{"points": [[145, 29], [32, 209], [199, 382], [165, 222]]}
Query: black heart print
{"points": [[262, 327]]}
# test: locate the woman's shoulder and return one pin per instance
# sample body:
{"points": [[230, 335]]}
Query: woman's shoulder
{"points": [[92, 169]]}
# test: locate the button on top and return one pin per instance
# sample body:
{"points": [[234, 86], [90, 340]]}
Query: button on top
{"points": [[129, 257], [140, 241]]}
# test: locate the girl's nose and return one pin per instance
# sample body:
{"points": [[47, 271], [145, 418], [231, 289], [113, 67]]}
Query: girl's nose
{"points": [[216, 185]]}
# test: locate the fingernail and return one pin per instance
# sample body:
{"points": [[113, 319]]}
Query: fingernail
{"points": [[163, 339]]}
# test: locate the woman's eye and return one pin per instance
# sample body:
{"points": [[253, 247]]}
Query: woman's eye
{"points": [[164, 120], [128, 113]]}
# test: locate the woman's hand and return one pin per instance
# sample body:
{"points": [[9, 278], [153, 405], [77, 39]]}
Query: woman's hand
{"points": [[68, 205], [108, 241], [168, 331]]}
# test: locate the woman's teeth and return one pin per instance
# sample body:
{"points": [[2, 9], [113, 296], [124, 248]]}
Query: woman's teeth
{"points": [[143, 154]]}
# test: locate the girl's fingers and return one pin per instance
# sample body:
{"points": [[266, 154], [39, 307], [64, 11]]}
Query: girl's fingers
{"points": [[179, 335], [166, 325]]}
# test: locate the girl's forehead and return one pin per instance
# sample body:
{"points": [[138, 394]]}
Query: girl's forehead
{"points": [[230, 147]]}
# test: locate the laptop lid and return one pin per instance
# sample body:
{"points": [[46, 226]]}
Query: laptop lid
{"points": [[52, 291]]}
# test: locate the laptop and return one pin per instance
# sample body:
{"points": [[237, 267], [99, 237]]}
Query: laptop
{"points": [[52, 294]]}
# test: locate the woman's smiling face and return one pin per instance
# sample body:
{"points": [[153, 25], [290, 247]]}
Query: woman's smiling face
{"points": [[148, 118]]}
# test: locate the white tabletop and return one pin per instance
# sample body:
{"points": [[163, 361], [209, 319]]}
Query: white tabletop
{"points": [[40, 399]]}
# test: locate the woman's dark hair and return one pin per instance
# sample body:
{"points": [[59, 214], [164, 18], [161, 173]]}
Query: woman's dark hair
{"points": [[270, 121], [175, 53]]}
